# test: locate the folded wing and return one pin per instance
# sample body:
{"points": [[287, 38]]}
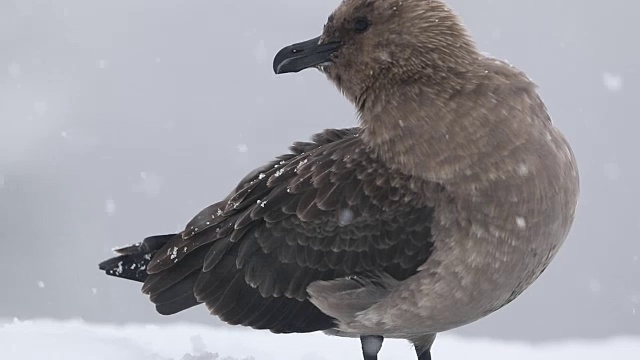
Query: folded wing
{"points": [[328, 210]]}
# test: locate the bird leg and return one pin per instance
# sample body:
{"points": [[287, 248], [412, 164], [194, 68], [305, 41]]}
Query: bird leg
{"points": [[371, 345], [423, 355], [423, 346]]}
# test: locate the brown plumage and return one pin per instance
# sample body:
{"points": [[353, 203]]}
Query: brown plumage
{"points": [[449, 200]]}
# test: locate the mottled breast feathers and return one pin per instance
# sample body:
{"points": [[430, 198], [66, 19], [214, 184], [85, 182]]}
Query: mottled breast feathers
{"points": [[326, 210]]}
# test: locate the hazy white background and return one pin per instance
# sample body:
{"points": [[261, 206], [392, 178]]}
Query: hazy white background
{"points": [[121, 119]]}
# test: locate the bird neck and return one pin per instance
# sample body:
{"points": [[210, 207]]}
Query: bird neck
{"points": [[442, 129]]}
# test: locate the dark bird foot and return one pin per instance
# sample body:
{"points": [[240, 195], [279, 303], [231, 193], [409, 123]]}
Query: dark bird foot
{"points": [[425, 355], [371, 345], [423, 346]]}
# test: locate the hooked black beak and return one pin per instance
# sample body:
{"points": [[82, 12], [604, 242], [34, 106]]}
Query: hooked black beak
{"points": [[306, 54]]}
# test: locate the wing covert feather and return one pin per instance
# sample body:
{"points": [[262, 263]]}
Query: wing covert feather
{"points": [[325, 211]]}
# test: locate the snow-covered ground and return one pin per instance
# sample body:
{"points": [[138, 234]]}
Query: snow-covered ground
{"points": [[71, 340]]}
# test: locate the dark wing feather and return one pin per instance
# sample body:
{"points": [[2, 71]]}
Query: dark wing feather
{"points": [[327, 210]]}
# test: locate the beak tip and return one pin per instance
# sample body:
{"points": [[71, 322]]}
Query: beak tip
{"points": [[304, 55], [281, 58], [278, 67]]}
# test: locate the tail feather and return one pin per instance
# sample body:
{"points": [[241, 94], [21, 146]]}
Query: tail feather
{"points": [[170, 291], [133, 260]]}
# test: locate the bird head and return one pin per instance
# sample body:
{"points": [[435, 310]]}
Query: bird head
{"points": [[380, 44]]}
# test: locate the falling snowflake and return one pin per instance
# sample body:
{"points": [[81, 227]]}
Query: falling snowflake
{"points": [[102, 64], [613, 82], [110, 207], [345, 217], [40, 107], [523, 169], [14, 69], [612, 171], [243, 148], [496, 34], [260, 52], [149, 184]]}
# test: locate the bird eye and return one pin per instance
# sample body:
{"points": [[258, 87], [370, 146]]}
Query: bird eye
{"points": [[361, 25]]}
